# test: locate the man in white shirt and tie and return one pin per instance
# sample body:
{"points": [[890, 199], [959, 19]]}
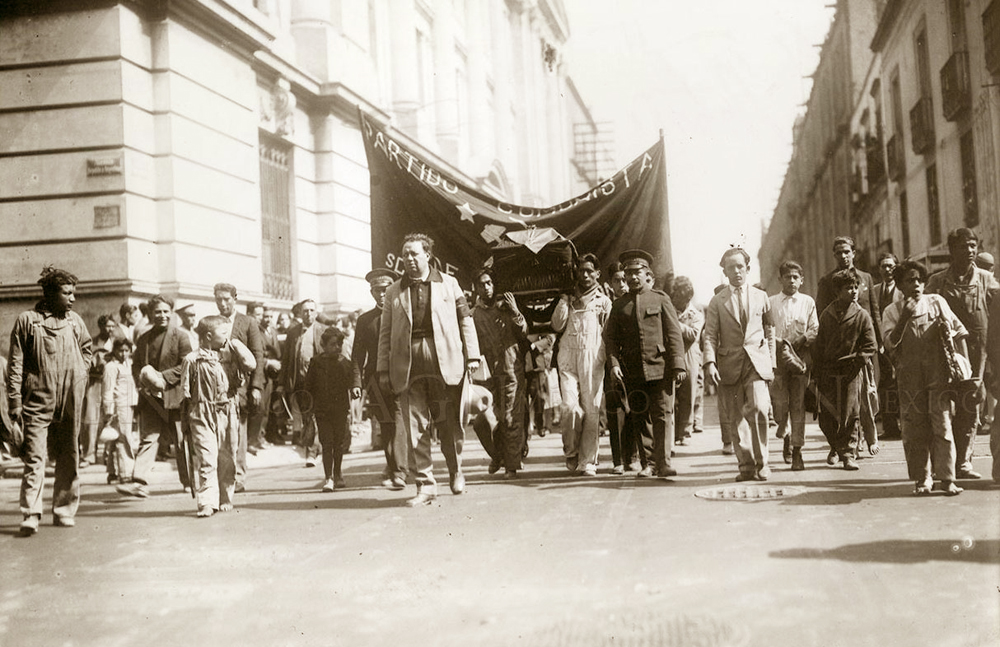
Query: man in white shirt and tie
{"points": [[796, 324], [739, 357], [885, 294]]}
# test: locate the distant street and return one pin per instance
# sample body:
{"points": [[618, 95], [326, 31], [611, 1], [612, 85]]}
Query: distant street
{"points": [[849, 559]]}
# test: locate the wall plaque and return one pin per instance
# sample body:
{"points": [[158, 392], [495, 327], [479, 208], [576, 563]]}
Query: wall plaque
{"points": [[107, 217], [104, 166]]}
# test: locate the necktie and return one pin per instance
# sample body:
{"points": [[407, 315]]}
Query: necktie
{"points": [[743, 309]]}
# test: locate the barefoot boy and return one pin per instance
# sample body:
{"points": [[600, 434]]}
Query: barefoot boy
{"points": [[210, 378]]}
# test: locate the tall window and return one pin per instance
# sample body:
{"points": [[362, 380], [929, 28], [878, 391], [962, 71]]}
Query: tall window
{"points": [[923, 61], [933, 205], [896, 97], [970, 198], [275, 219], [425, 77], [956, 21]]}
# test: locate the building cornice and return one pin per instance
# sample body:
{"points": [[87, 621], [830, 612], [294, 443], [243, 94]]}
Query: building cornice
{"points": [[885, 24]]}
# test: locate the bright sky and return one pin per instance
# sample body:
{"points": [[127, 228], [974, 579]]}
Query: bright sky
{"points": [[724, 80]]}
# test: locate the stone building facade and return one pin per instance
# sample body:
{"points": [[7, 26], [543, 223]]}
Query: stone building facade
{"points": [[161, 146]]}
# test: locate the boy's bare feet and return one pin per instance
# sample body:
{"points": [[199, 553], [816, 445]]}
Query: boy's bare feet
{"points": [[226, 507]]}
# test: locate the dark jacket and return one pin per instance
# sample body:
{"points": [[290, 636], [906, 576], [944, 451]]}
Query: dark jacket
{"points": [[643, 337], [246, 330], [329, 381], [176, 346], [290, 369], [364, 353], [867, 298]]}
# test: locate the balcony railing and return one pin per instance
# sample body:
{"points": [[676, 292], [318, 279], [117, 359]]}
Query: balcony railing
{"points": [[896, 158], [922, 125], [956, 93]]}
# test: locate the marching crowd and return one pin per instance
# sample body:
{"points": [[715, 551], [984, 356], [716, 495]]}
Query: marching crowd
{"points": [[623, 357]]}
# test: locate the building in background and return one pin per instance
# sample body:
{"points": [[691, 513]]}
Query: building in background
{"points": [[923, 133], [165, 145]]}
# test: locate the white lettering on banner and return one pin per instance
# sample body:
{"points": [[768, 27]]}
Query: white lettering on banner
{"points": [[647, 162], [608, 187], [625, 175], [526, 212], [449, 186], [504, 208], [394, 153]]}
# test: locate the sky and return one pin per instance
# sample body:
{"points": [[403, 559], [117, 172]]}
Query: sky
{"points": [[725, 80]]}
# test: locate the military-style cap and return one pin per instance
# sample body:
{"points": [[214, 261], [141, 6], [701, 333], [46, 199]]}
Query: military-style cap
{"points": [[635, 258], [185, 306], [381, 275]]}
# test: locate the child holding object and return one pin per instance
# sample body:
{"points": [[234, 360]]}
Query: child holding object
{"points": [[845, 343], [912, 331], [210, 377], [118, 400], [332, 382]]}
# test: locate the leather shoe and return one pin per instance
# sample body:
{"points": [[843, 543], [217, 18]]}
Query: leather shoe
{"points": [[29, 526], [850, 464], [457, 483], [728, 450], [831, 458], [422, 499], [763, 473], [968, 475], [494, 466], [645, 472], [745, 476], [786, 449], [666, 472], [65, 522]]}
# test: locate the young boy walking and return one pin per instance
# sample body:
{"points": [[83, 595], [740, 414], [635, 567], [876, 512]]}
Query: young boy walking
{"points": [[332, 382], [844, 344], [118, 400], [210, 379]]}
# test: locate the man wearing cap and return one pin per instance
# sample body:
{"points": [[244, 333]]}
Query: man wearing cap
{"points": [[645, 346], [382, 406], [302, 344], [969, 291], [501, 329], [740, 359], [188, 319], [427, 344]]}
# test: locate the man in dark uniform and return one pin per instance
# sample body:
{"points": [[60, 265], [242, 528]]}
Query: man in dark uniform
{"points": [[259, 420], [382, 408], [646, 350]]}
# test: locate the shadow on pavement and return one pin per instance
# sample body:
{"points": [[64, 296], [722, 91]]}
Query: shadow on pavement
{"points": [[903, 551]]}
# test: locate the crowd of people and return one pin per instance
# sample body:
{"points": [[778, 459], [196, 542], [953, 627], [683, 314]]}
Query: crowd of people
{"points": [[626, 355]]}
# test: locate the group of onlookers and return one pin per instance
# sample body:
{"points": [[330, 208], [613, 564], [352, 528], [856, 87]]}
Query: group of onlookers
{"points": [[621, 356]]}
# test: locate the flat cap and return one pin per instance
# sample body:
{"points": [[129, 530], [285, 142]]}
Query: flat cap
{"points": [[985, 260], [381, 275], [635, 258], [184, 307]]}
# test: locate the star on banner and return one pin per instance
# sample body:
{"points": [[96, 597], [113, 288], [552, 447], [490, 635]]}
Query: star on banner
{"points": [[467, 212]]}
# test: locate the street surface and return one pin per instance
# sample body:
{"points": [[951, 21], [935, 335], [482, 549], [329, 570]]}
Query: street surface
{"points": [[853, 559]]}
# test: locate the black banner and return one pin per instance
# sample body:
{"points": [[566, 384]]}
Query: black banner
{"points": [[408, 194]]}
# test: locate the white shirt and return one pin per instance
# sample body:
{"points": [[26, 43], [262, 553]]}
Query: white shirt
{"points": [[793, 316]]}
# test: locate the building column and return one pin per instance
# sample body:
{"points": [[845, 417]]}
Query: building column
{"points": [[445, 90], [405, 84]]}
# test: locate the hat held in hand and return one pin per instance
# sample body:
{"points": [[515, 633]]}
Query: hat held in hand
{"points": [[152, 379]]}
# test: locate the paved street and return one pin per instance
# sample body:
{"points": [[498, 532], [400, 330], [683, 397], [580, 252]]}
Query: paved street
{"points": [[853, 559]]}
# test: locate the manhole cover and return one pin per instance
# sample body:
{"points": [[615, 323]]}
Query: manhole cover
{"points": [[749, 492], [651, 631]]}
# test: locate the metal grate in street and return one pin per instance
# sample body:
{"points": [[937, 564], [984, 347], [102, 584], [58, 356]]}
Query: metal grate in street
{"points": [[649, 631], [749, 492]]}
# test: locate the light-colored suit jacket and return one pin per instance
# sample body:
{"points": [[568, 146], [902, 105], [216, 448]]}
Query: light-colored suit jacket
{"points": [[454, 331], [725, 342]]}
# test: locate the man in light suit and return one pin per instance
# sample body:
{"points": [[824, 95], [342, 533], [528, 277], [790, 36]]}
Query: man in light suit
{"points": [[427, 344], [740, 359], [245, 329]]}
